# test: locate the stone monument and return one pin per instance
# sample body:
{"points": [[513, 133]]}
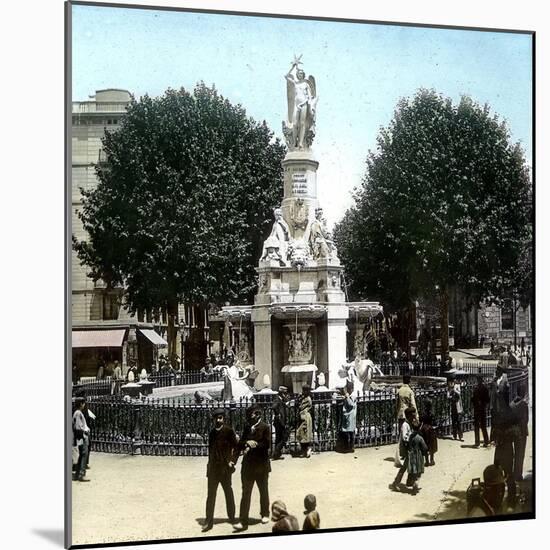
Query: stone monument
{"points": [[300, 314]]}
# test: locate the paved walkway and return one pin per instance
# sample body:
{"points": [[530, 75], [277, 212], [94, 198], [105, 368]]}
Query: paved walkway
{"points": [[472, 354], [146, 498]]}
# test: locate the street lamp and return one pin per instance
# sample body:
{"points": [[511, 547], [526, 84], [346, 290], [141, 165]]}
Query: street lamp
{"points": [[514, 320], [184, 335]]}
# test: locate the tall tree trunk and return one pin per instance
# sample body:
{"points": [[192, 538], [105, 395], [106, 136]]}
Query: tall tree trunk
{"points": [[444, 322], [171, 334]]}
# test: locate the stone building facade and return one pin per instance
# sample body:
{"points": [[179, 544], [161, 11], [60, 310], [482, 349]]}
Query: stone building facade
{"points": [[103, 329], [92, 302], [505, 323]]}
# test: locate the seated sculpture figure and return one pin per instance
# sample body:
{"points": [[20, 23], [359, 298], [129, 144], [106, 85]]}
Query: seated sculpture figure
{"points": [[320, 240], [276, 245]]}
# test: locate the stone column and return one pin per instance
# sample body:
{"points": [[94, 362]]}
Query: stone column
{"points": [[263, 359], [244, 344], [337, 316], [124, 362], [132, 351]]}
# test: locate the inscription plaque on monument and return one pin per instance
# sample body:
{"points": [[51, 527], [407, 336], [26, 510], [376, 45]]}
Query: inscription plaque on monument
{"points": [[299, 184]]}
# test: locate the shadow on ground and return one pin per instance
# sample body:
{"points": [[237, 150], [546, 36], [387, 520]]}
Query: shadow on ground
{"points": [[251, 521], [453, 506], [216, 521], [55, 536]]}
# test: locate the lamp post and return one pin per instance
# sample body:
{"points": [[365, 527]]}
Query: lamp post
{"points": [[514, 312], [184, 334]]}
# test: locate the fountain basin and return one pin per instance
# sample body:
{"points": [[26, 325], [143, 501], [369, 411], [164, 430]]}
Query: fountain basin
{"points": [[300, 375]]}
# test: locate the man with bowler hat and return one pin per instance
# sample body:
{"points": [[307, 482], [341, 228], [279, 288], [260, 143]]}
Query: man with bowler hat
{"points": [[254, 444], [222, 455]]}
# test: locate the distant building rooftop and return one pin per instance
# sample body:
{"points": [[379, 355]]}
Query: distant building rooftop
{"points": [[110, 100]]}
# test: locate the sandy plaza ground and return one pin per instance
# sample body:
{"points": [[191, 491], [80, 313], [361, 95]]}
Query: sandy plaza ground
{"points": [[131, 498]]}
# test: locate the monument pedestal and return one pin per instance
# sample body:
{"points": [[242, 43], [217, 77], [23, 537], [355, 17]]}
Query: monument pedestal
{"points": [[300, 190]]}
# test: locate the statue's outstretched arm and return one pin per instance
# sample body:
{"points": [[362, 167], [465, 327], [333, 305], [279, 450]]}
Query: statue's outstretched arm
{"points": [[289, 75]]}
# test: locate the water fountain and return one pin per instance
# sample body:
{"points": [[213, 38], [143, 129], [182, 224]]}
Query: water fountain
{"points": [[299, 321]]}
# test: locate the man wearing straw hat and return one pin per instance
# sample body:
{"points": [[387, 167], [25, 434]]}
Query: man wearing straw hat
{"points": [[222, 455]]}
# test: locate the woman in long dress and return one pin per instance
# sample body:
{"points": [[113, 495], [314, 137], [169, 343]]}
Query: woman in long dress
{"points": [[348, 419], [304, 434]]}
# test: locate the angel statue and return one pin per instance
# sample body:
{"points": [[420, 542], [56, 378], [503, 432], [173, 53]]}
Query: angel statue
{"points": [[299, 130]]}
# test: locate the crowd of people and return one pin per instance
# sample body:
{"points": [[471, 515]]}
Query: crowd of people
{"points": [[509, 431], [417, 446], [254, 445], [416, 449], [417, 442], [512, 355]]}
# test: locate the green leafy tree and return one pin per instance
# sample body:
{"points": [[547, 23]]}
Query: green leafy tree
{"points": [[183, 203], [445, 202]]}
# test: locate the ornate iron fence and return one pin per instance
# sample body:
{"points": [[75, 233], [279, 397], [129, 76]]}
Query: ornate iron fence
{"points": [[90, 387], [107, 386], [182, 378], [180, 427], [434, 368]]}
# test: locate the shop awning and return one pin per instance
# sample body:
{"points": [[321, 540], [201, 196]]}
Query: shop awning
{"points": [[98, 338], [153, 337]]}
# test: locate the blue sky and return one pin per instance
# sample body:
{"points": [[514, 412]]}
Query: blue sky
{"points": [[361, 71]]}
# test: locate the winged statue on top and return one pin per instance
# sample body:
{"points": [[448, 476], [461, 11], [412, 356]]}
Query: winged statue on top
{"points": [[299, 129]]}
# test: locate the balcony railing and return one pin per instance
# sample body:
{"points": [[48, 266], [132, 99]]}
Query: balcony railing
{"points": [[80, 107]]}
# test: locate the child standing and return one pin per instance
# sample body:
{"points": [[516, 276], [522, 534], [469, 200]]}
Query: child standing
{"points": [[417, 451], [413, 452], [404, 436]]}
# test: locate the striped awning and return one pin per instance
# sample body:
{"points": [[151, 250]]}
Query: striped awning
{"points": [[98, 338], [154, 337]]}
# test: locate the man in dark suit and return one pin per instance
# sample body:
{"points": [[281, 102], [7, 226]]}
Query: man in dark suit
{"points": [[280, 410], [255, 444], [505, 431], [480, 401], [222, 455], [520, 408]]}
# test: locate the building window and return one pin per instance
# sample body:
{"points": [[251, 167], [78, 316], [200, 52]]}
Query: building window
{"points": [[507, 317], [102, 156], [111, 307]]}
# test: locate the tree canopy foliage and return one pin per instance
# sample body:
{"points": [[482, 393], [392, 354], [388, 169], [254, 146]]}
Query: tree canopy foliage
{"points": [[184, 201], [445, 202]]}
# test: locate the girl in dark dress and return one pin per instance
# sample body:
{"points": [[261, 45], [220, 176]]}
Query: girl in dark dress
{"points": [[427, 430]]}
